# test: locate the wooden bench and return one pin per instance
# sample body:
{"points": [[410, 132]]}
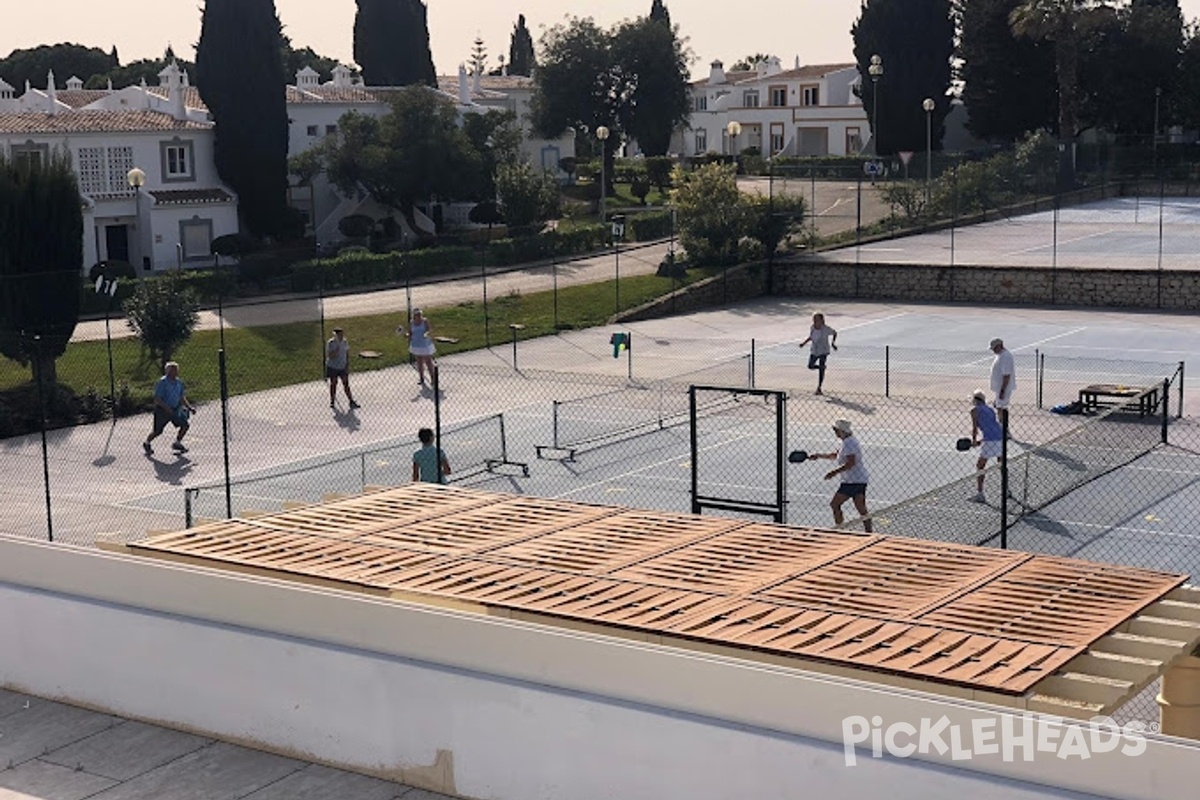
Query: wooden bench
{"points": [[1108, 395]]}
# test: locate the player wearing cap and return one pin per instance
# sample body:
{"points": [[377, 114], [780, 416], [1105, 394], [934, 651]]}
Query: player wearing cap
{"points": [[853, 471], [337, 365], [983, 420]]}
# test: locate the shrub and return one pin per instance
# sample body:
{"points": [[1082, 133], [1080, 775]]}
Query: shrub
{"points": [[163, 314], [658, 171], [640, 187]]}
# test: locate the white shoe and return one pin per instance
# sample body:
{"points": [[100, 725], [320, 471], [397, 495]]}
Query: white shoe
{"points": [[978, 498]]}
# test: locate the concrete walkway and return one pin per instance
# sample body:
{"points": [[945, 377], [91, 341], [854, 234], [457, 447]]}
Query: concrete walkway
{"points": [[53, 751]]}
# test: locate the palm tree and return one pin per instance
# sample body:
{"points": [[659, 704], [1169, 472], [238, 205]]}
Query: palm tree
{"points": [[1062, 22]]}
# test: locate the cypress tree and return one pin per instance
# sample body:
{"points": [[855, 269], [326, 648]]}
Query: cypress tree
{"points": [[521, 60], [41, 255], [659, 13], [391, 43], [239, 71], [915, 40]]}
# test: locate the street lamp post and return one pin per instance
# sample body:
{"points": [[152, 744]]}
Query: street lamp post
{"points": [[928, 105], [734, 128], [875, 70], [137, 179], [602, 135]]}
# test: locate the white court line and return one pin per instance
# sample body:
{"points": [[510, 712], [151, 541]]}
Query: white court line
{"points": [[1060, 241], [853, 327], [1052, 338]]}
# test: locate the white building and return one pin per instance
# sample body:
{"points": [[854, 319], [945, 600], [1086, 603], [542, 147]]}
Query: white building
{"points": [[804, 111], [181, 205], [166, 133]]}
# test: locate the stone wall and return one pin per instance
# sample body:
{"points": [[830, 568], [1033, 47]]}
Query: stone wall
{"points": [[1097, 288], [1108, 288]]}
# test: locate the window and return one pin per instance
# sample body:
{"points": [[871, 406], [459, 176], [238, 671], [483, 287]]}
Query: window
{"points": [[701, 141], [811, 96], [330, 130], [30, 155], [702, 102], [778, 96], [750, 98], [776, 140], [177, 161], [854, 140], [311, 130], [195, 235]]}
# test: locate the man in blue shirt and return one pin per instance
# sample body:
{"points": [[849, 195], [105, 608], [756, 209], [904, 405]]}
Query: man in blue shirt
{"points": [[170, 405], [984, 420], [429, 463]]}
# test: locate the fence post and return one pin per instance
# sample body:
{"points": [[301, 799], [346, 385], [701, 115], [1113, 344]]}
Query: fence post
{"points": [[1004, 480], [187, 508], [753, 354], [554, 421], [487, 328], [887, 370], [225, 430], [40, 378]]}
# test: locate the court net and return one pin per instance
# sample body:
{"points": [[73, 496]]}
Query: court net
{"points": [[627, 412], [471, 447], [1036, 477]]}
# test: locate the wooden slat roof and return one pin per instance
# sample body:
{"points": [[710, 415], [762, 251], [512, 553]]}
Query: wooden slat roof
{"points": [[993, 620]]}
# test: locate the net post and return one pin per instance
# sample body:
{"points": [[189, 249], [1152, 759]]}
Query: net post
{"points": [[887, 370], [1166, 410], [694, 449], [554, 422], [504, 439], [362, 472], [1179, 407], [225, 430], [187, 507], [1041, 372], [1004, 479], [629, 355]]}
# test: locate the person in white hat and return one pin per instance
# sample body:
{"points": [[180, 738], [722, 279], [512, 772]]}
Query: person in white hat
{"points": [[983, 420], [853, 471]]}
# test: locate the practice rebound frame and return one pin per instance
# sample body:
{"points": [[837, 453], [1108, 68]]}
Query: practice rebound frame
{"points": [[777, 510]]}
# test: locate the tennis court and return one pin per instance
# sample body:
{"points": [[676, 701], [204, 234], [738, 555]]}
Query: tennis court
{"points": [[1121, 232]]}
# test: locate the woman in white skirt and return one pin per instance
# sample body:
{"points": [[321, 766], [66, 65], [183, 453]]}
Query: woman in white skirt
{"points": [[420, 343]]}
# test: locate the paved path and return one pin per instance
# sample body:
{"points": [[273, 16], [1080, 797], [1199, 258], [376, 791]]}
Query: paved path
{"points": [[639, 259], [53, 751]]}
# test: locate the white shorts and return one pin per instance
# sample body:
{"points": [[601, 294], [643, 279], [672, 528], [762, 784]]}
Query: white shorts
{"points": [[1002, 403], [991, 449]]}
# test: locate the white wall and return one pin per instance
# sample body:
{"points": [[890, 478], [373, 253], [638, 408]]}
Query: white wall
{"points": [[523, 711]]}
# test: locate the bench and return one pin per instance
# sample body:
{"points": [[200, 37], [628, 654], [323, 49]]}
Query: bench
{"points": [[1108, 395]]}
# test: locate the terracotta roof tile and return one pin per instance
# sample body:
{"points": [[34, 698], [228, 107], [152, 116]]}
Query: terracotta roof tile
{"points": [[191, 96], [93, 121], [78, 98]]}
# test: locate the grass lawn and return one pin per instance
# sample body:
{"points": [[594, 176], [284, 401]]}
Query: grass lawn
{"points": [[271, 356]]}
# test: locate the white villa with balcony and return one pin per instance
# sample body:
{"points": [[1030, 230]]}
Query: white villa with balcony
{"points": [[805, 111]]}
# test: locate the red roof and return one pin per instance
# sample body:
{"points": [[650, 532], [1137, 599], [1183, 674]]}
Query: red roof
{"points": [[93, 121]]}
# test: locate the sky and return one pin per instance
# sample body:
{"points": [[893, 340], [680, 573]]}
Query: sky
{"points": [[816, 31]]}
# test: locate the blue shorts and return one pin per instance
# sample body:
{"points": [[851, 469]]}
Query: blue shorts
{"points": [[852, 489]]}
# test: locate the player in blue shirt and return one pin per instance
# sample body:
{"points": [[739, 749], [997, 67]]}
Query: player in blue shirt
{"points": [[170, 405]]}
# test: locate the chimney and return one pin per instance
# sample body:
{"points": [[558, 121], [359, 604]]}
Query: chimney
{"points": [[797, 63], [52, 93], [760, 69], [307, 78], [172, 78], [464, 94], [74, 84], [716, 73], [773, 66], [341, 76]]}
